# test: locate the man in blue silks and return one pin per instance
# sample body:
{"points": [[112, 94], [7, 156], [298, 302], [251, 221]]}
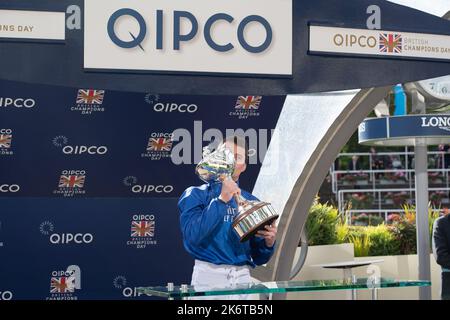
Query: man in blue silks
{"points": [[206, 216]]}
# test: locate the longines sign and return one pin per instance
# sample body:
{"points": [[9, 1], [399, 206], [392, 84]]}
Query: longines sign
{"points": [[348, 41], [32, 25], [234, 36], [402, 130]]}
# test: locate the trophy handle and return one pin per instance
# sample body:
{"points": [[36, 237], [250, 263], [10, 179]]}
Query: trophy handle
{"points": [[240, 200]]}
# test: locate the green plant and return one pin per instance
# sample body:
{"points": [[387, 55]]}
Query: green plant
{"points": [[321, 224], [342, 231], [375, 220], [404, 229], [361, 244], [382, 241], [325, 226]]}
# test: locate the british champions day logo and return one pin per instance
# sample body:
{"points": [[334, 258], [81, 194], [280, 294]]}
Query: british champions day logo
{"points": [[89, 101], [348, 41], [71, 183], [65, 283], [142, 231], [159, 146], [391, 42], [246, 106], [6, 136]]}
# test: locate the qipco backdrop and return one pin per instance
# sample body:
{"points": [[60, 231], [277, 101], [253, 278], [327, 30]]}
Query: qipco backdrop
{"points": [[105, 106], [89, 182]]}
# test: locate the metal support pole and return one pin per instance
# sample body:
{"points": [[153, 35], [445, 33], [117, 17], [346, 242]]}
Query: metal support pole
{"points": [[170, 288], [184, 291], [349, 278], [375, 294], [422, 224]]}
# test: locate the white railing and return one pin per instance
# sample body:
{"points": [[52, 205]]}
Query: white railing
{"points": [[381, 213], [374, 176], [376, 196]]}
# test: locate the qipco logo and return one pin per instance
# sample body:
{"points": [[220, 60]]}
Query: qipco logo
{"points": [[26, 103], [68, 238], [93, 150], [174, 107], [9, 188], [143, 217], [129, 292], [5, 131], [5, 295], [74, 172], [151, 188], [183, 17]]}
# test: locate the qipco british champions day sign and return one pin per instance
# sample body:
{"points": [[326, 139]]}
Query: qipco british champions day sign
{"points": [[234, 47], [167, 35]]}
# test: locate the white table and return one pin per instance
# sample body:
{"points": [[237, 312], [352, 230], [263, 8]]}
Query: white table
{"points": [[347, 267]]}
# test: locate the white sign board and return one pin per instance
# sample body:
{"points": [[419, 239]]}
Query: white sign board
{"points": [[348, 41], [36, 25], [234, 36]]}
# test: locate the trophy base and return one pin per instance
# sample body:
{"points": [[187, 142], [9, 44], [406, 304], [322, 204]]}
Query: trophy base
{"points": [[247, 236], [248, 223]]}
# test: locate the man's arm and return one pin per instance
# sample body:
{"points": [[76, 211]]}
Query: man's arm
{"points": [[197, 221], [260, 253], [441, 250]]}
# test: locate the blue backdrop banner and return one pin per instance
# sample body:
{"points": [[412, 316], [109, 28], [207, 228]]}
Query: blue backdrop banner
{"points": [[90, 178]]}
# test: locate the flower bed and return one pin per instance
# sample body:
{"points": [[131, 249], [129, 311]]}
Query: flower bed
{"points": [[361, 200], [355, 178], [393, 178], [325, 227]]}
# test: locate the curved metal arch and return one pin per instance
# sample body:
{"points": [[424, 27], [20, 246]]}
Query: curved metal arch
{"points": [[308, 183], [302, 257]]}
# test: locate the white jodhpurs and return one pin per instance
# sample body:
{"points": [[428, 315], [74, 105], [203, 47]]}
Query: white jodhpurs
{"points": [[208, 276]]}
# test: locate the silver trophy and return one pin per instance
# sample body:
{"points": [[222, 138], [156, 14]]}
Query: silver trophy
{"points": [[252, 216]]}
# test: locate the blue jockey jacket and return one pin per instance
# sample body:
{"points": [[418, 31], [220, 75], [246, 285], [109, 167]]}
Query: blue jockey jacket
{"points": [[208, 234]]}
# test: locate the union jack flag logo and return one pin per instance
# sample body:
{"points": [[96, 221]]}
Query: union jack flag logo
{"points": [[62, 284], [248, 102], [71, 181], [89, 96], [142, 228], [391, 42], [5, 140], [159, 144]]}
